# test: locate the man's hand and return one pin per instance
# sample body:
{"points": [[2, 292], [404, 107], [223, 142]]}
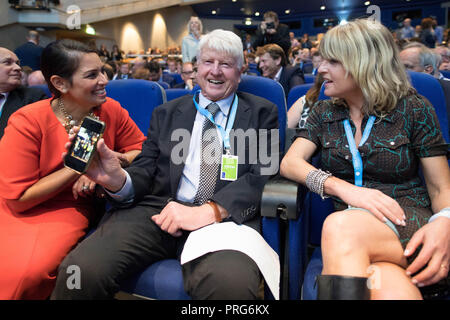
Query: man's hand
{"points": [[105, 168], [434, 255], [176, 217]]}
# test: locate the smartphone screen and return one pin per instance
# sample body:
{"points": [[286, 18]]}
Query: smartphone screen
{"points": [[84, 145]]}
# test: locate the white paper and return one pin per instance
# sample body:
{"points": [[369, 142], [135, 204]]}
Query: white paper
{"points": [[230, 236]]}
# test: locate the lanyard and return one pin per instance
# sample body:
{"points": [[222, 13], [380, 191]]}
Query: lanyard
{"points": [[225, 133], [356, 156]]}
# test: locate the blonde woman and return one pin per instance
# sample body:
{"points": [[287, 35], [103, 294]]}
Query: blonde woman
{"points": [[189, 45], [382, 222]]}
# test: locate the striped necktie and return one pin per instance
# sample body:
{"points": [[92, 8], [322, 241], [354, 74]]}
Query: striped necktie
{"points": [[210, 158]]}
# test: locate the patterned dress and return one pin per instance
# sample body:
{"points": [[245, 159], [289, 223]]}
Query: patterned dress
{"points": [[391, 155]]}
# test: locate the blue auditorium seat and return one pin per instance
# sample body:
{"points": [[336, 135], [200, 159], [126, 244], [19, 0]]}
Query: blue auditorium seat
{"points": [[309, 78], [176, 93], [445, 73], [177, 77], [163, 280], [296, 92], [163, 84], [138, 97]]}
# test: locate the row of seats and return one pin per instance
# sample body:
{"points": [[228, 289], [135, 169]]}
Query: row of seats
{"points": [[288, 225]]}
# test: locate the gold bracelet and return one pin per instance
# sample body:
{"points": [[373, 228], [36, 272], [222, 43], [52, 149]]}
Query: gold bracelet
{"points": [[217, 215]]}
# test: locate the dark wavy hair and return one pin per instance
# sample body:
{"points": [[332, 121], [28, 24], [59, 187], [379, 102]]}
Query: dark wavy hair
{"points": [[62, 58]]}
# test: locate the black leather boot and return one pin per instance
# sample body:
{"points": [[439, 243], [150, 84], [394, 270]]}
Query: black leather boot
{"points": [[331, 287]]}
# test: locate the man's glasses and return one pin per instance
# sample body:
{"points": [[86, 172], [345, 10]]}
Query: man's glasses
{"points": [[189, 72]]}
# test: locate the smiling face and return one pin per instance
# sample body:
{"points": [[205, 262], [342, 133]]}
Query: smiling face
{"points": [[87, 87], [269, 66], [218, 74], [10, 71]]}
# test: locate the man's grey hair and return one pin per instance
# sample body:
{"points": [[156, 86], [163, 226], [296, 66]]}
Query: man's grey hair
{"points": [[223, 41], [426, 56]]}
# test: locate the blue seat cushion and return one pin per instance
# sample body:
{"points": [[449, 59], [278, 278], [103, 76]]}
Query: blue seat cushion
{"points": [[163, 280], [314, 269]]}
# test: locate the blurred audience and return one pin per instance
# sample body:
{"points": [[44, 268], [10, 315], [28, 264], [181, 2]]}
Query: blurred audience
{"points": [[30, 52]]}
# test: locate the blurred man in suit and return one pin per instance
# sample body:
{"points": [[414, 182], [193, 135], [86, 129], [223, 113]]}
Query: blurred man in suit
{"points": [[273, 65], [188, 74], [30, 52], [12, 95]]}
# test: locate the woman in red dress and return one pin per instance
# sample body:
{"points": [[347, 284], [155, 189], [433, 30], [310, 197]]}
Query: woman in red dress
{"points": [[45, 207]]}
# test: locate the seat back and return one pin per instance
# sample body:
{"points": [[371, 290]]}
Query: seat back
{"points": [[176, 76], [272, 91], [445, 73], [138, 97], [176, 93], [297, 92], [309, 78], [430, 88]]}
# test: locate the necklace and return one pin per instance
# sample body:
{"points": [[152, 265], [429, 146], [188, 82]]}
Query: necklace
{"points": [[69, 122]]}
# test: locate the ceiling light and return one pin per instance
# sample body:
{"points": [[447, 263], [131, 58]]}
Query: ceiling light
{"points": [[257, 13], [366, 3], [214, 12], [234, 0], [322, 8], [287, 11], [248, 22]]}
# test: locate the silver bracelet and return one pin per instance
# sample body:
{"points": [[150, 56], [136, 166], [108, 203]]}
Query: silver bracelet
{"points": [[443, 213], [315, 181]]}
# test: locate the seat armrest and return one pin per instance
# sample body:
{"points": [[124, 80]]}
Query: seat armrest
{"points": [[281, 198]]}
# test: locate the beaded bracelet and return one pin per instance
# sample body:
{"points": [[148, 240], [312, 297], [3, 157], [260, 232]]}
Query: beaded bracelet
{"points": [[315, 181]]}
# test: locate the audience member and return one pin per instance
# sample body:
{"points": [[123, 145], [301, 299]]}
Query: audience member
{"points": [[124, 72], [188, 75], [273, 65], [444, 52], [189, 44], [376, 226], [30, 52], [428, 36], [103, 52], [298, 113], [270, 31], [417, 57], [116, 53], [306, 43], [316, 60], [46, 207], [172, 65], [166, 205], [36, 78], [12, 95], [438, 31], [407, 31], [294, 41], [25, 72], [157, 75], [248, 43], [142, 73], [303, 61], [109, 70]]}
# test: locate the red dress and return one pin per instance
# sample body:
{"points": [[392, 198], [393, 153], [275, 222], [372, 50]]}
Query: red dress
{"points": [[33, 243]]}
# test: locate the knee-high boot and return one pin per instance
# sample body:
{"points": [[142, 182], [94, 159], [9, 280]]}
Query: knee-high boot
{"points": [[333, 287]]}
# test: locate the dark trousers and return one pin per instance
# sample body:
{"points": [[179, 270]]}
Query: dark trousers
{"points": [[129, 241]]}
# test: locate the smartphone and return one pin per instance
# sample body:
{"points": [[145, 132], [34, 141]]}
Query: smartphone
{"points": [[84, 145]]}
